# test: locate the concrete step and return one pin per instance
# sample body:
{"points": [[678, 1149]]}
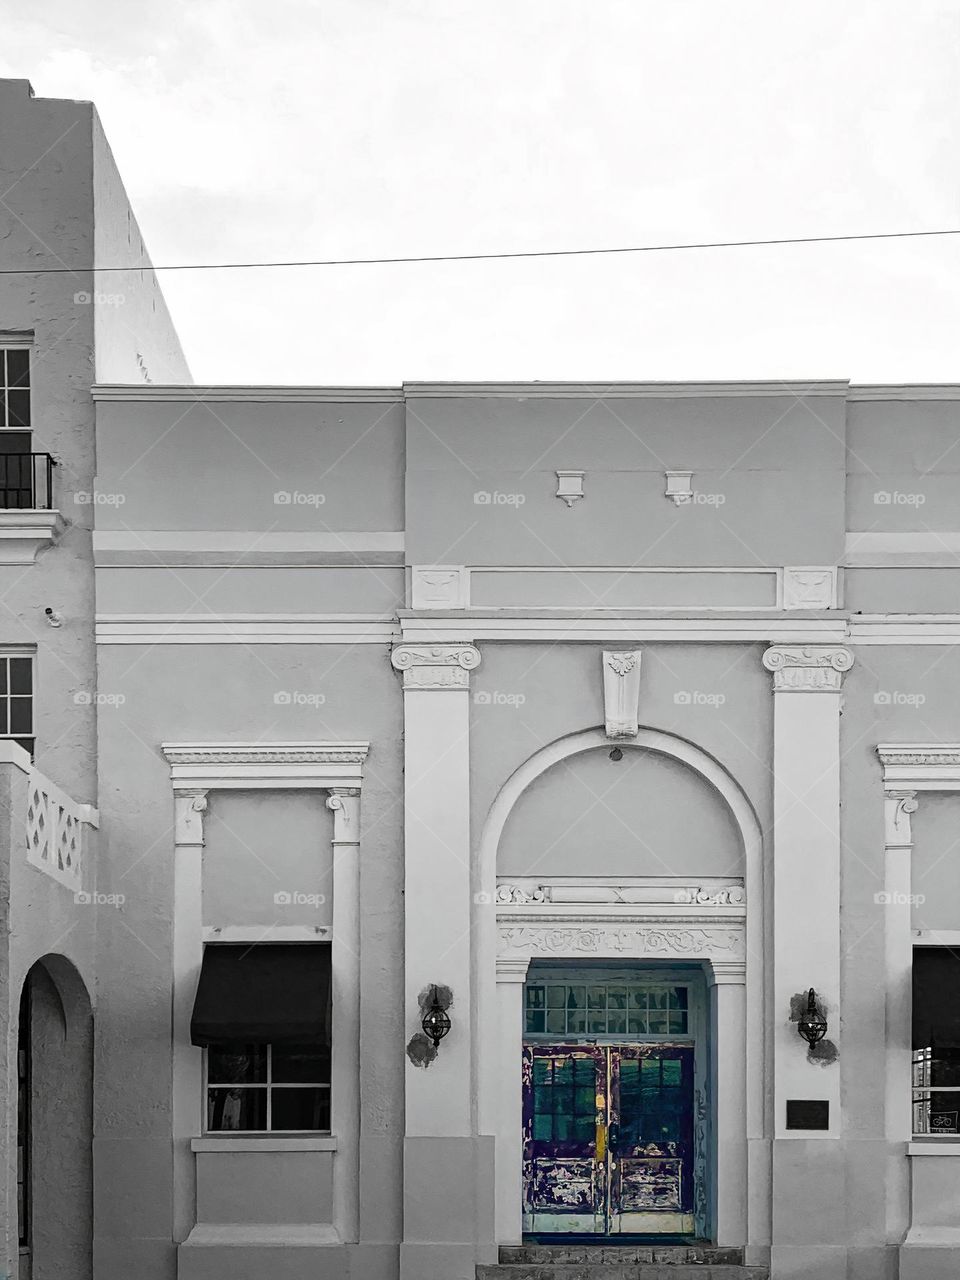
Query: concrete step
{"points": [[621, 1254], [621, 1271]]}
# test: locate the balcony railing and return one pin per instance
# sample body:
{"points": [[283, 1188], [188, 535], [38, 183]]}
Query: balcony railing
{"points": [[26, 481]]}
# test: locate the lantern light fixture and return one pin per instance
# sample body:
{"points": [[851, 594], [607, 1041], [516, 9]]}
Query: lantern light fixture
{"points": [[812, 1025], [436, 1021]]}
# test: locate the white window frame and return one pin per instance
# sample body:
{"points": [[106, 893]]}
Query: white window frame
{"points": [[22, 651], [268, 1086]]}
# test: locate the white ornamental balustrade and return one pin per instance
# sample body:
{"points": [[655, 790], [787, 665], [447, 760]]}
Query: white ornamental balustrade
{"points": [[56, 831]]}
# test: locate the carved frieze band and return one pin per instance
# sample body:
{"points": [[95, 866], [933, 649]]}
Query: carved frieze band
{"points": [[619, 939], [435, 666], [812, 668], [632, 895]]}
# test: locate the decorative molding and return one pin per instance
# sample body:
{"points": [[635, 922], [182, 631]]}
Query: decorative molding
{"points": [[254, 933], [198, 766], [521, 893], [906, 391], [344, 803], [246, 629], [618, 939], [512, 968], [269, 1142], [436, 666], [439, 586], [911, 767], [189, 807], [570, 486], [244, 541], [621, 692], [630, 626], [678, 487], [248, 395], [23, 534], [621, 390], [807, 669], [809, 587]]}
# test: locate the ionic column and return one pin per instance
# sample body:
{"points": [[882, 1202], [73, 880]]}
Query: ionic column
{"points": [[188, 1098], [448, 1170], [728, 1094], [806, 867], [511, 975], [344, 802], [898, 806]]}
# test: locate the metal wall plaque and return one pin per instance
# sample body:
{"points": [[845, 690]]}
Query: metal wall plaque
{"points": [[808, 1113]]}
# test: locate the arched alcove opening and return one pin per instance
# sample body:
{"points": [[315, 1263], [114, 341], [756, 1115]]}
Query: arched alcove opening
{"points": [[55, 1123]]}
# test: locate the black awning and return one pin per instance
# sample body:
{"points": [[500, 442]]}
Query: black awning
{"points": [[263, 993], [936, 996]]}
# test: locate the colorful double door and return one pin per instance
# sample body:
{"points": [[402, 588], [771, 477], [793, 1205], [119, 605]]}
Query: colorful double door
{"points": [[608, 1139]]}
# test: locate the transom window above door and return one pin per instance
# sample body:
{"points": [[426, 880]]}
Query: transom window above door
{"points": [[613, 1009]]}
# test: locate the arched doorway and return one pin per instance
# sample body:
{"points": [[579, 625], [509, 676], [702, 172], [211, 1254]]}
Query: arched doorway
{"points": [[55, 1124]]}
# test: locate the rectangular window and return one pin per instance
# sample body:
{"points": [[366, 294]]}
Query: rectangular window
{"points": [[605, 1009], [936, 1041], [15, 387], [24, 479], [268, 1088], [16, 699]]}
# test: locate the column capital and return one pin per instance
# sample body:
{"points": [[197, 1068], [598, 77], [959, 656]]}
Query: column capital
{"points": [[344, 803], [189, 807], [435, 666], [724, 972], [809, 668], [512, 969], [897, 808]]}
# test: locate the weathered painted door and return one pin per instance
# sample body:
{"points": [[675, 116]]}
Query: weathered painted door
{"points": [[608, 1139], [651, 1140]]}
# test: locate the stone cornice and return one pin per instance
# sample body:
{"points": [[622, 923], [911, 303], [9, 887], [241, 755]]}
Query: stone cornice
{"points": [[251, 766], [185, 394], [922, 766], [807, 668], [435, 666]]}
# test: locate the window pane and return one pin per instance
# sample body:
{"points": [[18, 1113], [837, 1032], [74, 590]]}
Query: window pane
{"points": [[535, 1021], [301, 1064], [20, 715], [556, 997], [236, 1109], [680, 995], [671, 1070], [576, 998], [638, 1026], [617, 1024], [556, 1021], [616, 998], [577, 1022], [657, 1024], [18, 408], [300, 1108], [598, 1023], [535, 998], [542, 1128], [237, 1063], [21, 675], [18, 368], [3, 675], [678, 1024], [597, 997]]}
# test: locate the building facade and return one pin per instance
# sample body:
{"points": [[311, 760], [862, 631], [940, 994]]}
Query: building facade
{"points": [[526, 820]]}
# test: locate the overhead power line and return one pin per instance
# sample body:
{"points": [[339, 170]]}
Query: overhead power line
{"points": [[484, 257]]}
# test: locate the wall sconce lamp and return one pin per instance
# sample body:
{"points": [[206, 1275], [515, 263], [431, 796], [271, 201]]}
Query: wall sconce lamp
{"points": [[436, 1022], [812, 1025]]}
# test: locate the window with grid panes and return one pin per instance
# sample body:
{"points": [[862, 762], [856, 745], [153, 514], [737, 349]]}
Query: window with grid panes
{"points": [[564, 1099], [605, 1009], [16, 699], [14, 387], [264, 1088], [16, 463]]}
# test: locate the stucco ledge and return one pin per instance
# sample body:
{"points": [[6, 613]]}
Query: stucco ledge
{"points": [[24, 533]]}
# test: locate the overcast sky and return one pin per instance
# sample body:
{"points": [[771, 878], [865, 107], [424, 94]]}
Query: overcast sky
{"points": [[339, 128]]}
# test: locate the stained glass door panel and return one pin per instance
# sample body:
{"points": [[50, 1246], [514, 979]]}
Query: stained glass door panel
{"points": [[651, 1140], [565, 1175]]}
